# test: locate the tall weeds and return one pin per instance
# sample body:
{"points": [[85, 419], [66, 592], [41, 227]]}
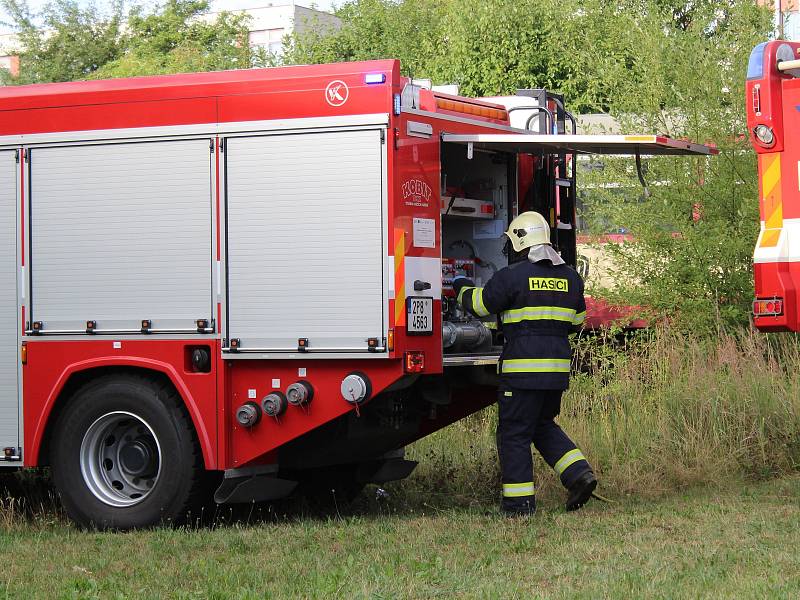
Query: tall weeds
{"points": [[663, 413]]}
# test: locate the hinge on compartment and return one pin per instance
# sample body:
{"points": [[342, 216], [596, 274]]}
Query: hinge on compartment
{"points": [[383, 136], [16, 156]]}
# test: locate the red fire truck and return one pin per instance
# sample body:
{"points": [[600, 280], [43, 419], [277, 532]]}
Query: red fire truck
{"points": [[773, 105], [242, 277]]}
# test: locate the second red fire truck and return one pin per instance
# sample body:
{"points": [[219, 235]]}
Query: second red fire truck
{"points": [[773, 111], [243, 277]]}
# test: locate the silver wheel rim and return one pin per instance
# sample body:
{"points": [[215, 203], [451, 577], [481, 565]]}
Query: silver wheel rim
{"points": [[120, 459]]}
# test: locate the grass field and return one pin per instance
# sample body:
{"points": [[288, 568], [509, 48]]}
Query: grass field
{"points": [[698, 443], [736, 542]]}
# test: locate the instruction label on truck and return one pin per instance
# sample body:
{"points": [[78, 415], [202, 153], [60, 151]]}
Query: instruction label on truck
{"points": [[424, 233]]}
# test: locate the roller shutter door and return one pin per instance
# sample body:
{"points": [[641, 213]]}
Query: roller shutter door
{"points": [[9, 325], [121, 233], [305, 240]]}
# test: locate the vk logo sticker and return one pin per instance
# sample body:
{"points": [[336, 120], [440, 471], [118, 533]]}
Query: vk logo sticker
{"points": [[337, 93]]}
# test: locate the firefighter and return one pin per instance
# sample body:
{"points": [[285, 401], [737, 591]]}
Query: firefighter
{"points": [[539, 300]]}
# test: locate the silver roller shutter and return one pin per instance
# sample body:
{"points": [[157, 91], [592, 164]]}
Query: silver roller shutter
{"points": [[121, 233], [305, 228], [9, 325]]}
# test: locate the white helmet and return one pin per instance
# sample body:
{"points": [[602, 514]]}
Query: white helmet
{"points": [[528, 229]]}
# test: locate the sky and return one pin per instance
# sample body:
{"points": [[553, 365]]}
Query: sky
{"points": [[217, 5]]}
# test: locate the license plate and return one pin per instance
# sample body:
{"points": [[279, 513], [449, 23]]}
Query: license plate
{"points": [[419, 312]]}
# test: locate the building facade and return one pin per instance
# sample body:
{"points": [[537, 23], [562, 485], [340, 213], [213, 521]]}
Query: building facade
{"points": [[274, 20]]}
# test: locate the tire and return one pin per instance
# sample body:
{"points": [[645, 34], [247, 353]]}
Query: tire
{"points": [[125, 455]]}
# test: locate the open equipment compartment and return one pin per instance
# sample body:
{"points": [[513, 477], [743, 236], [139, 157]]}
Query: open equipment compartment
{"points": [[478, 199]]}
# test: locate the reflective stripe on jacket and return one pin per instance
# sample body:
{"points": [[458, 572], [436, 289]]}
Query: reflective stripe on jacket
{"points": [[539, 306]]}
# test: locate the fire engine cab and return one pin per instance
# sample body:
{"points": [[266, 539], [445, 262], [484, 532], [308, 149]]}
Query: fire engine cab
{"points": [[243, 278]]}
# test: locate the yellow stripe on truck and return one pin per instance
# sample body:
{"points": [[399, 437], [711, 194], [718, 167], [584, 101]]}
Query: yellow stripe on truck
{"points": [[399, 278], [769, 165]]}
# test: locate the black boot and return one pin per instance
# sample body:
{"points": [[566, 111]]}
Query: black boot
{"points": [[522, 509], [581, 491]]}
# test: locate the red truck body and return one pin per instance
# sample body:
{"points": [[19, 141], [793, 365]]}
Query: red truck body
{"points": [[153, 229]]}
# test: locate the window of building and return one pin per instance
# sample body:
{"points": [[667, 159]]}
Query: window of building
{"points": [[269, 39]]}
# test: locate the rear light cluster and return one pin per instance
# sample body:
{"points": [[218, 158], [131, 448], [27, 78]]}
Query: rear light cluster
{"points": [[414, 362], [770, 307]]}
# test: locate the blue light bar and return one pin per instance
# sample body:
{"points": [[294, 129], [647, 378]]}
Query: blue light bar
{"points": [[371, 78]]}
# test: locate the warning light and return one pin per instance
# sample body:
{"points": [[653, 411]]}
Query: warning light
{"points": [[470, 108], [373, 78], [23, 353], [415, 362], [390, 340]]}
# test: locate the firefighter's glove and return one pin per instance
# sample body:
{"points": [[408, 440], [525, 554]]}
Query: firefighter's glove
{"points": [[461, 281]]}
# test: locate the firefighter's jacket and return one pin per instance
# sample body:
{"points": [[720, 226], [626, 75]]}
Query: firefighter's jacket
{"points": [[538, 306]]}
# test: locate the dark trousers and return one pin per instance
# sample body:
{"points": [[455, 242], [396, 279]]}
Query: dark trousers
{"points": [[525, 417]]}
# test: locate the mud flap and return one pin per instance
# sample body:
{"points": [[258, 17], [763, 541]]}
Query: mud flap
{"points": [[390, 470]]}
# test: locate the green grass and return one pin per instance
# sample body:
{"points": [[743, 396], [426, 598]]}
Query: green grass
{"points": [[698, 441], [736, 542]]}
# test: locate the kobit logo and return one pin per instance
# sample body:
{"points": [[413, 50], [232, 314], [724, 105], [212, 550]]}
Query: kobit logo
{"points": [[337, 93], [418, 191]]}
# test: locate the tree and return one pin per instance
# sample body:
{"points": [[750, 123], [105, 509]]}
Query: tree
{"points": [[174, 39], [67, 42], [673, 67], [694, 235], [488, 48]]}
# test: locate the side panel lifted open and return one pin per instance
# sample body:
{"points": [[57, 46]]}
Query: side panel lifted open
{"points": [[580, 144]]}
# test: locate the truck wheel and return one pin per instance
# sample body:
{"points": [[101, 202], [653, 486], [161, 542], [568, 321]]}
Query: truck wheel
{"points": [[124, 455]]}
